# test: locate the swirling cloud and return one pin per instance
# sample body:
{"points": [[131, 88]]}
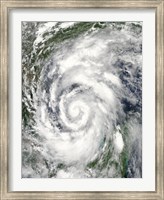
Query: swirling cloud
{"points": [[87, 104]]}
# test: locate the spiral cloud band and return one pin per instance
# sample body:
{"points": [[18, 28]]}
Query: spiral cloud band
{"points": [[82, 99]]}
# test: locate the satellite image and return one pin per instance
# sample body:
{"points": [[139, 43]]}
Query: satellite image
{"points": [[81, 100]]}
